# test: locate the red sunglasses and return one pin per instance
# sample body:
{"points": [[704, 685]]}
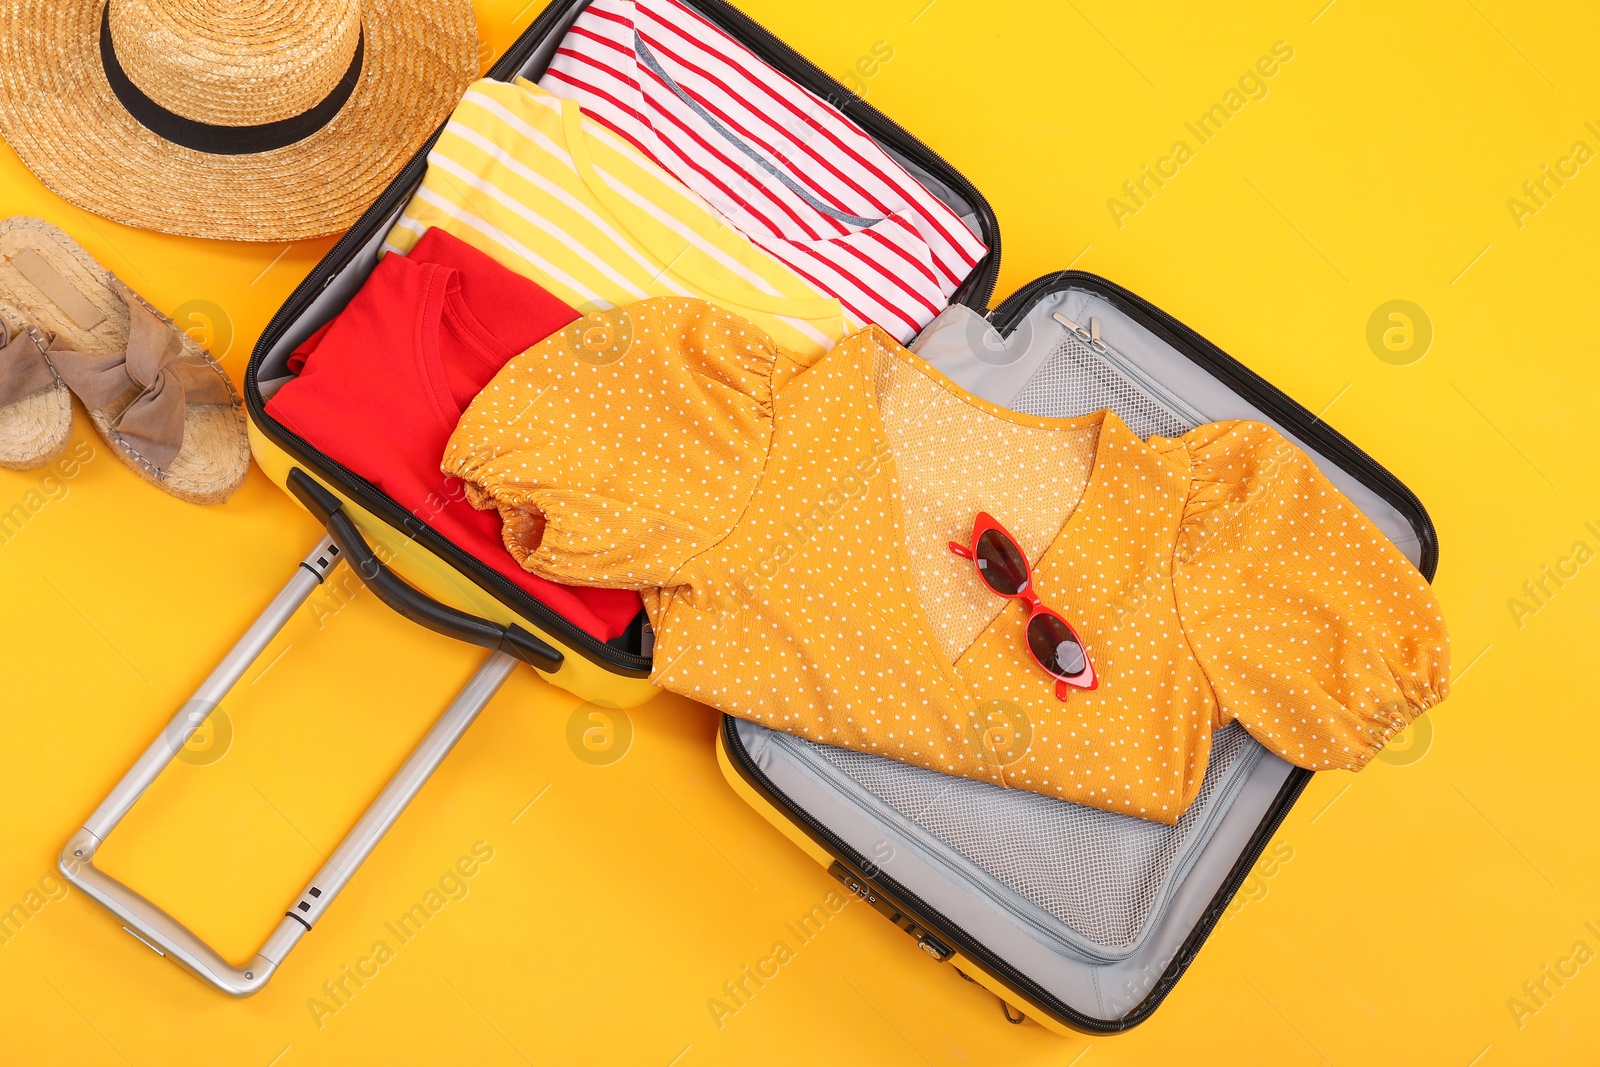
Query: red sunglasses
{"points": [[1052, 642]]}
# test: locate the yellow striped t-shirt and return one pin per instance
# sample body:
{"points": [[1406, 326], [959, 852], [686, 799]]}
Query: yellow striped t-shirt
{"points": [[547, 191]]}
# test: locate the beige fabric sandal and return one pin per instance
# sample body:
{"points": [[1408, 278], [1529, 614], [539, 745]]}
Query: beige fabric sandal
{"points": [[35, 405], [157, 397]]}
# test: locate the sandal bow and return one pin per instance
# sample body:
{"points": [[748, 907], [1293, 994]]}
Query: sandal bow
{"points": [[24, 368], [152, 380]]}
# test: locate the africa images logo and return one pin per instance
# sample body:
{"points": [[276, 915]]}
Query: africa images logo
{"points": [[1001, 731], [600, 338], [1253, 84]]}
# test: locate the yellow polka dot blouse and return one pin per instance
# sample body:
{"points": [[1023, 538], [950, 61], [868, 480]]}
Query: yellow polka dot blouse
{"points": [[787, 526]]}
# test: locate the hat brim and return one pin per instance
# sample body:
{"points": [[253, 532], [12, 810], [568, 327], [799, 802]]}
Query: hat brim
{"points": [[60, 115]]}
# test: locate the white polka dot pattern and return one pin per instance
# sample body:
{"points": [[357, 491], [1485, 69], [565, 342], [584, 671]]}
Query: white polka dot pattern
{"points": [[613, 472], [764, 510]]}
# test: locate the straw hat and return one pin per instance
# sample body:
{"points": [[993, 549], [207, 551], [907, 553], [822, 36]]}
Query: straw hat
{"points": [[258, 120]]}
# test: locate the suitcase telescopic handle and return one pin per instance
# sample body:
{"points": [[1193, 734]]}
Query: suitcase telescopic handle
{"points": [[157, 929], [407, 599]]}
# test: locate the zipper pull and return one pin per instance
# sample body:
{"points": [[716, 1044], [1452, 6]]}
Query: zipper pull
{"points": [[1082, 333], [1091, 335]]}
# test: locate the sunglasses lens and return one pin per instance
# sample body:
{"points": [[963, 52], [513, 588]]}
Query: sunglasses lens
{"points": [[1055, 647], [1001, 564]]}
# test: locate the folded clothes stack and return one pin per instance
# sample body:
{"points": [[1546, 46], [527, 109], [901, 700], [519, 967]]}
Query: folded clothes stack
{"points": [[794, 175], [637, 337], [379, 389]]}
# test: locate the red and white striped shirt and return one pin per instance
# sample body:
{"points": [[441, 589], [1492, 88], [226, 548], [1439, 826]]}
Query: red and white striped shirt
{"points": [[778, 162]]}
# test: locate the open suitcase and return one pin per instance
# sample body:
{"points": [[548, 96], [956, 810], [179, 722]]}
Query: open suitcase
{"points": [[1081, 919]]}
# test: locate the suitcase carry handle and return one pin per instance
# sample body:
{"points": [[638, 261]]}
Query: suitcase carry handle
{"points": [[405, 598], [166, 935]]}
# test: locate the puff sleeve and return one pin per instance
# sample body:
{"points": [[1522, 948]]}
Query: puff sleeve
{"points": [[1311, 627], [624, 445]]}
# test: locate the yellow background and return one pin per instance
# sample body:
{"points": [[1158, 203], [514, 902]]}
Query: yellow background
{"points": [[1419, 898]]}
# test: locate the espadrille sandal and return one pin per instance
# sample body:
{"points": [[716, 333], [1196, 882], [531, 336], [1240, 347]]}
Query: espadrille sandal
{"points": [[35, 406], [157, 397]]}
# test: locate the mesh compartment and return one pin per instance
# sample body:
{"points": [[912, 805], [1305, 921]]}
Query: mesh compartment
{"points": [[1096, 871], [1074, 380]]}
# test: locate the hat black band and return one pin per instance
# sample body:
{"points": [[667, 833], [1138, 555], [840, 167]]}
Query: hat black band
{"points": [[223, 140]]}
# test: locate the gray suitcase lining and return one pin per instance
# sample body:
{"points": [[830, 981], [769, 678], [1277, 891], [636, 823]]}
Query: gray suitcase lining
{"points": [[1090, 905], [1042, 359], [1010, 927]]}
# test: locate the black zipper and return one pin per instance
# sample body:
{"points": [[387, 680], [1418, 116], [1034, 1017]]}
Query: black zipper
{"points": [[1266, 829], [975, 292], [933, 920], [1242, 380]]}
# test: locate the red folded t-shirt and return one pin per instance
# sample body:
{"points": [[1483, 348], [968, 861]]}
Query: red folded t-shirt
{"points": [[381, 387]]}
